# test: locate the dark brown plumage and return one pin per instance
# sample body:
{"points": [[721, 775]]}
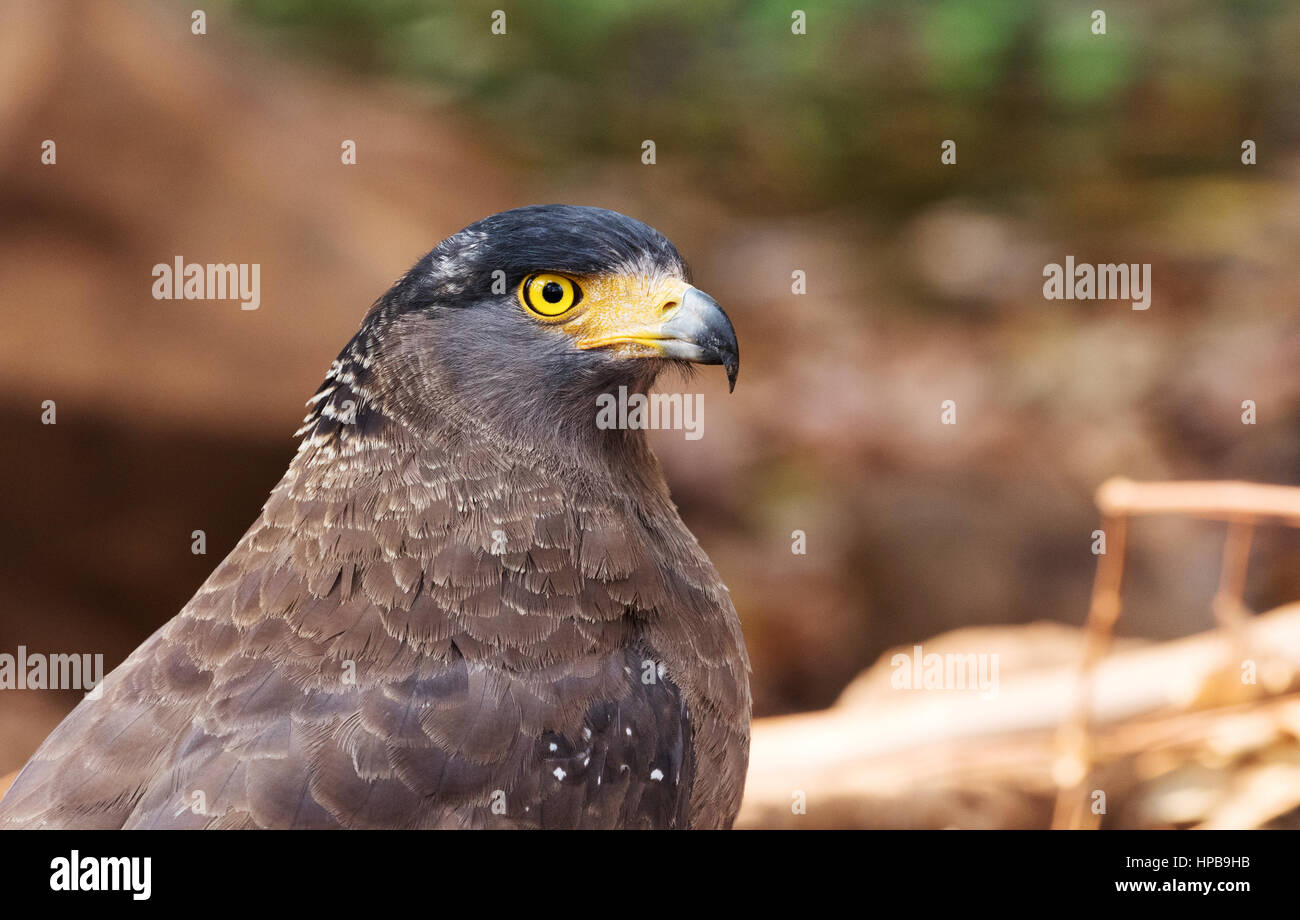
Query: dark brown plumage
{"points": [[464, 605]]}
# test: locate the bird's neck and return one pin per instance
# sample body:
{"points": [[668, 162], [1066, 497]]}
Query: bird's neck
{"points": [[357, 440]]}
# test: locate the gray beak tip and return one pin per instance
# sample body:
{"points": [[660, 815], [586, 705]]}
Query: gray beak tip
{"points": [[701, 332]]}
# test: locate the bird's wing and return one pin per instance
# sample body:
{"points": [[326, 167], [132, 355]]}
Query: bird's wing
{"points": [[461, 746], [323, 678]]}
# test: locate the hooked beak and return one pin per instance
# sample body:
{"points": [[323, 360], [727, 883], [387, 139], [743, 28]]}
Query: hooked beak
{"points": [[688, 325], [699, 331]]}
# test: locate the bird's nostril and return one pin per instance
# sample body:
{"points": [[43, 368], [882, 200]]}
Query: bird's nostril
{"points": [[669, 307]]}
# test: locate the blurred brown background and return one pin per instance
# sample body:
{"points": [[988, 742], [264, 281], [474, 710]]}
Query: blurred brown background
{"points": [[776, 153]]}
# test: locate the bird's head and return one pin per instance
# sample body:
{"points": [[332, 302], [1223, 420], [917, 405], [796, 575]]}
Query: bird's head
{"points": [[524, 318]]}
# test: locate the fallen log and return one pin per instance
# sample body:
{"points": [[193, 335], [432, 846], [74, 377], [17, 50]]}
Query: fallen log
{"points": [[1180, 737]]}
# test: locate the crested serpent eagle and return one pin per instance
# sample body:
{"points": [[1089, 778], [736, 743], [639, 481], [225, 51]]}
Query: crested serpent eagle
{"points": [[465, 604]]}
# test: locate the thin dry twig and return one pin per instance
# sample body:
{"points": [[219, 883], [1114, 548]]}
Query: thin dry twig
{"points": [[1242, 505]]}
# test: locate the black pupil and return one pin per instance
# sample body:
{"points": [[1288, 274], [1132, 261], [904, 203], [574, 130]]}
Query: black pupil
{"points": [[552, 292]]}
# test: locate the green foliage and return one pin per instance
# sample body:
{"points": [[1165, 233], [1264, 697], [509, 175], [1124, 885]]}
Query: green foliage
{"points": [[854, 110]]}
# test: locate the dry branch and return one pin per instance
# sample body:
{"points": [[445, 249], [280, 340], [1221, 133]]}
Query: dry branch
{"points": [[1222, 501], [1166, 718]]}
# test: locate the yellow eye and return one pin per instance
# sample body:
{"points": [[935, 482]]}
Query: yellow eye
{"points": [[549, 295]]}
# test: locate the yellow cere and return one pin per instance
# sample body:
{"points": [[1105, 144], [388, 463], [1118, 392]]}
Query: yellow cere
{"points": [[619, 312]]}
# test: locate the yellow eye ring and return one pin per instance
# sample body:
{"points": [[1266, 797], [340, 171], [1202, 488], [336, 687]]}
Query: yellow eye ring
{"points": [[549, 295]]}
